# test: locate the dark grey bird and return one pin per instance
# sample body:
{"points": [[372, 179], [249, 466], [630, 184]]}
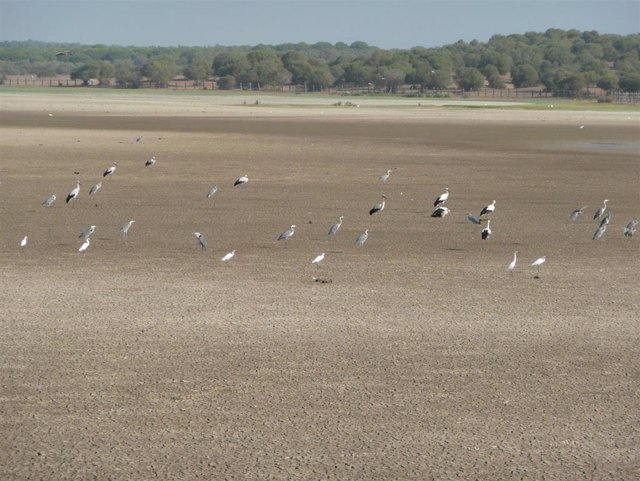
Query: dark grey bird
{"points": [[379, 207], [49, 200], [110, 170], [287, 234], [241, 180], [87, 232], [630, 229], [212, 191], [486, 232], [442, 198], [96, 187], [577, 212], [336, 227], [601, 210], [202, 240], [473, 219], [488, 209], [362, 238], [440, 211], [74, 192]]}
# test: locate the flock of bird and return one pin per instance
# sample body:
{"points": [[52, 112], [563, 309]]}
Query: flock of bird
{"points": [[440, 211]]}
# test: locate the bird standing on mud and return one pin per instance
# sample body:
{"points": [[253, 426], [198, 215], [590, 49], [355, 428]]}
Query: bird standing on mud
{"points": [[202, 240], [486, 232], [336, 227], [74, 192], [442, 198], [241, 180], [110, 170], [379, 207], [488, 209]]}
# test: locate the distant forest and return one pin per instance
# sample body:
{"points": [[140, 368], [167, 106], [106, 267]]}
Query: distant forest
{"points": [[555, 60]]}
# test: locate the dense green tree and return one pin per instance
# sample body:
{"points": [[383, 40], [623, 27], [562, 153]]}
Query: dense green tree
{"points": [[630, 81], [470, 78], [197, 69], [160, 70], [524, 76], [227, 82], [493, 77]]}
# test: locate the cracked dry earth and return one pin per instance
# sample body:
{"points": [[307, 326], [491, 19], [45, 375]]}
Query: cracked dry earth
{"points": [[422, 359]]}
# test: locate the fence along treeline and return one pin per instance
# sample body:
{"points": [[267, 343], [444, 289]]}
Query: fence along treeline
{"points": [[556, 60]]}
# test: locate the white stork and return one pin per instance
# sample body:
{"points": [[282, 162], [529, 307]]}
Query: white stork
{"points": [[379, 207], [442, 198], [440, 211], [241, 180], [110, 170], [150, 162], [488, 209], [486, 232], [74, 192]]}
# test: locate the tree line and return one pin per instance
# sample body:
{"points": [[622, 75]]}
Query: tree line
{"points": [[556, 60]]}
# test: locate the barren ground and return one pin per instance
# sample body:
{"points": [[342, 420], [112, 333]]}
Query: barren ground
{"points": [[421, 360]]}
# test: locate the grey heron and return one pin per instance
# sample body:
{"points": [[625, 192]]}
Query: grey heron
{"points": [[228, 256], [440, 211], [601, 210], [486, 232], [202, 240], [74, 192], [241, 180], [385, 177], [379, 207], [577, 212], [212, 191], [512, 264], [630, 229], [85, 245], [287, 234], [442, 198], [318, 259], [96, 187], [362, 238], [601, 228], [125, 227], [473, 219], [49, 200], [23, 242], [150, 162], [87, 232], [336, 227], [488, 209], [110, 170], [537, 263]]}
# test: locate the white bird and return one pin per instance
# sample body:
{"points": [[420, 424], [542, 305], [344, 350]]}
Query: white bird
{"points": [[577, 212], [362, 238], [601, 210], [212, 191], [440, 211], [379, 207], [125, 227], [23, 242], [442, 198], [630, 229], [287, 234], [241, 180], [512, 265], [228, 256], [385, 177], [318, 259], [336, 227], [49, 200], [110, 170], [486, 232], [473, 219], [87, 232], [202, 240], [488, 209], [150, 162], [96, 187], [537, 263], [74, 192], [85, 245]]}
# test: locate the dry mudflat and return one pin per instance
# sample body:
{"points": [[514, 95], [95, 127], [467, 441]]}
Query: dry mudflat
{"points": [[422, 359]]}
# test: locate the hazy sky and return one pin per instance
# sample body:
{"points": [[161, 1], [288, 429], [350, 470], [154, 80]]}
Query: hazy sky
{"points": [[385, 23]]}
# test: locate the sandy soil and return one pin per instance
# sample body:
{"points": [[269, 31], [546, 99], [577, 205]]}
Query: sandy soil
{"points": [[422, 359]]}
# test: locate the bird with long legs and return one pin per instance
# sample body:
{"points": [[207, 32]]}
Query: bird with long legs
{"points": [[379, 207], [287, 234], [601, 210], [333, 230], [537, 263]]}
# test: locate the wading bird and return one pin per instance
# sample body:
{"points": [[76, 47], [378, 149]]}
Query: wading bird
{"points": [[287, 234], [577, 212], [385, 177], [601, 228], [630, 229], [74, 192], [85, 245], [473, 219], [512, 264], [150, 162], [139, 139], [87, 232], [379, 207], [202, 240], [440, 211], [212, 191], [110, 170], [488, 209], [241, 180], [442, 198], [486, 232], [96, 187], [601, 210], [49, 200], [362, 238], [336, 227], [537, 263], [318, 259], [125, 227], [23, 242], [228, 256]]}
